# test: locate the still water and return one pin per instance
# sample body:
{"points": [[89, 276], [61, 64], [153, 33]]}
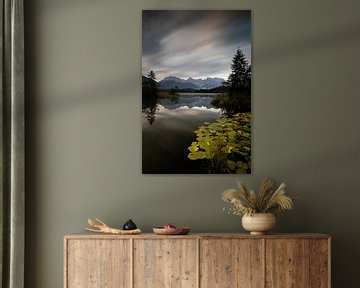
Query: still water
{"points": [[168, 130]]}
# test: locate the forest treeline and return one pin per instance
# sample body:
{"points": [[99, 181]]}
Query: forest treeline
{"points": [[238, 81]]}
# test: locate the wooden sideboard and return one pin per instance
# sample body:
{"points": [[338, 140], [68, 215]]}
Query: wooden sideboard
{"points": [[197, 260]]}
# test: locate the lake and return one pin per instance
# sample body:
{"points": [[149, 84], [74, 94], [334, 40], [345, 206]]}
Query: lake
{"points": [[168, 127]]}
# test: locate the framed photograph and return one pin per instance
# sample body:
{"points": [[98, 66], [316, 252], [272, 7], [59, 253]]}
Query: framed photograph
{"points": [[196, 92]]}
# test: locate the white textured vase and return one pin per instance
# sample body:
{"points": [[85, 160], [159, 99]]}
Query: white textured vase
{"points": [[259, 223]]}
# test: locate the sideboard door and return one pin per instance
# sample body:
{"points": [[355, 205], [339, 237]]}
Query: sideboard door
{"points": [[297, 263], [165, 263], [98, 263], [231, 263], [320, 263], [287, 263]]}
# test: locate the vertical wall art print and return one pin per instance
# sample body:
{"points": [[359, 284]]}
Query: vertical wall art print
{"points": [[196, 92]]}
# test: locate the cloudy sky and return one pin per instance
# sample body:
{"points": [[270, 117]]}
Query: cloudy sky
{"points": [[198, 44]]}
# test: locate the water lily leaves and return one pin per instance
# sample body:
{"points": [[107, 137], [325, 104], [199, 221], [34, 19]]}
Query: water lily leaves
{"points": [[226, 143]]}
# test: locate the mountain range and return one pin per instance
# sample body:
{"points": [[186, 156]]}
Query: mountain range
{"points": [[190, 83]]}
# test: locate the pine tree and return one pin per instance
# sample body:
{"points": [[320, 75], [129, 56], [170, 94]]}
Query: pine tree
{"points": [[240, 77], [152, 75], [152, 80]]}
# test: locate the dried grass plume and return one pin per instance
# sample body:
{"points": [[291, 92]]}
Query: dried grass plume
{"points": [[267, 200]]}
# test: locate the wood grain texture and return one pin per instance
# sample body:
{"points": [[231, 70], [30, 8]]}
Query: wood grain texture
{"points": [[98, 264], [319, 263], [88, 235], [287, 263], [166, 263], [197, 260], [66, 262], [231, 263]]}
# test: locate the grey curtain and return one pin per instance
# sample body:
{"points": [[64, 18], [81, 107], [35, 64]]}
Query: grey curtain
{"points": [[12, 194]]}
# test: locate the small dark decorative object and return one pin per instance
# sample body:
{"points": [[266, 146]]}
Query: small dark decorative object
{"points": [[129, 225], [101, 227]]}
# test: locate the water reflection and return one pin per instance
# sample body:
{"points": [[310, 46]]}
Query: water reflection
{"points": [[168, 129], [190, 100], [153, 105]]}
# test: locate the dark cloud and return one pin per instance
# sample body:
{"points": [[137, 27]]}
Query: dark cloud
{"points": [[159, 23], [188, 43]]}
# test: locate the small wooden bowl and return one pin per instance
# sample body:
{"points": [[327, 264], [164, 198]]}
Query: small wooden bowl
{"points": [[171, 231]]}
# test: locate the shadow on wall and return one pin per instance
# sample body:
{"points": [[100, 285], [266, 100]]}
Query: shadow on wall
{"points": [[345, 36], [318, 216], [67, 4], [101, 93], [112, 90], [333, 213]]}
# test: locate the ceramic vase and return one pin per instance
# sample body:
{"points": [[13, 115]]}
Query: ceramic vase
{"points": [[259, 223]]}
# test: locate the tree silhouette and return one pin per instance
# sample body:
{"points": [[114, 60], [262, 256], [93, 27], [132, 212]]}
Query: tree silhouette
{"points": [[152, 75], [149, 96], [240, 76], [238, 85], [152, 81]]}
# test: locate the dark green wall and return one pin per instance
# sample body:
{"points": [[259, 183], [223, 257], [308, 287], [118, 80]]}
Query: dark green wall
{"points": [[84, 126]]}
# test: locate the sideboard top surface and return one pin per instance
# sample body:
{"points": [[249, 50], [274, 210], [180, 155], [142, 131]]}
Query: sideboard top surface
{"points": [[87, 235]]}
